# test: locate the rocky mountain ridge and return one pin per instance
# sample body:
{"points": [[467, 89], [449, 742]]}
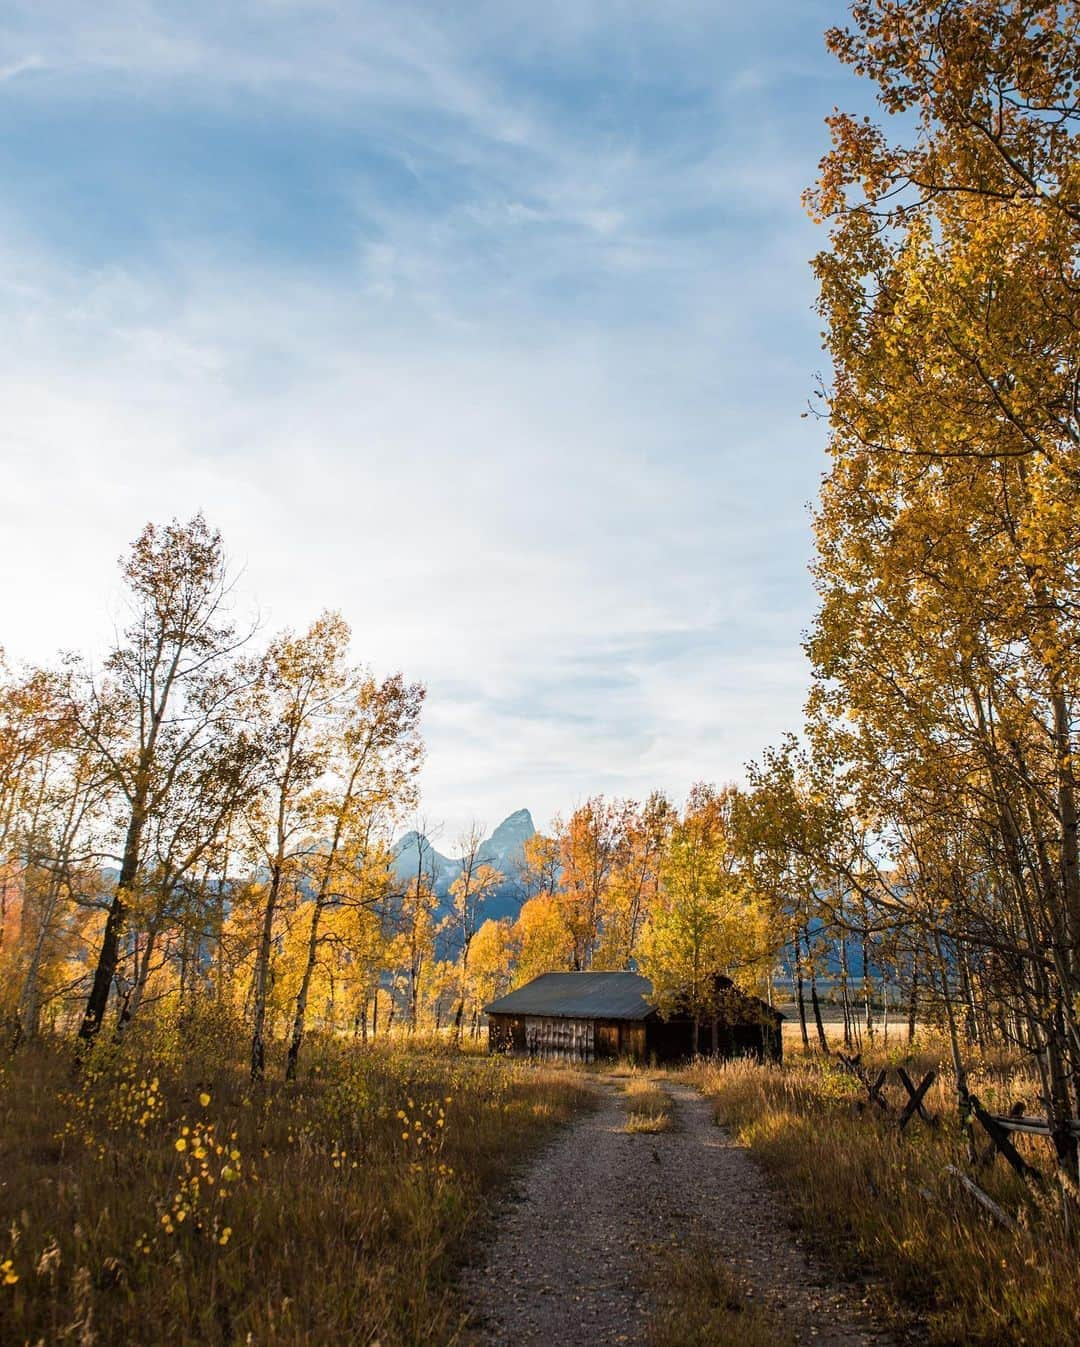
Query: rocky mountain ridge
{"points": [[504, 850]]}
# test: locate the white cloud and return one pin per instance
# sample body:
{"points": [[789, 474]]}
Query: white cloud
{"points": [[492, 518], [539, 441]]}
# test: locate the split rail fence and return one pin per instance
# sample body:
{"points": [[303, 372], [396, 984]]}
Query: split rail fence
{"points": [[997, 1126]]}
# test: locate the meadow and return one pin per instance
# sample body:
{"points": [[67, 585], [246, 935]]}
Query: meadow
{"points": [[882, 1205], [152, 1193], [155, 1195]]}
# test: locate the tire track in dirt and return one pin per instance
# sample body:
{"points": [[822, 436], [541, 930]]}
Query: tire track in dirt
{"points": [[568, 1255]]}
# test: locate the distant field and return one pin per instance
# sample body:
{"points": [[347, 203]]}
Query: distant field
{"points": [[832, 1017]]}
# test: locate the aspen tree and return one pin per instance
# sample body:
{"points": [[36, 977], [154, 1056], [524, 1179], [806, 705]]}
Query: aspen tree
{"points": [[165, 690], [707, 921], [375, 754], [469, 892], [301, 681], [947, 644]]}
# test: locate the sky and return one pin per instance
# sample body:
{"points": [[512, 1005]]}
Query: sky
{"points": [[490, 325]]}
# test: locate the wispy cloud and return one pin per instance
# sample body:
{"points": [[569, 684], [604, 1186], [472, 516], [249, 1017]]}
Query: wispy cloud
{"points": [[13, 69], [490, 328]]}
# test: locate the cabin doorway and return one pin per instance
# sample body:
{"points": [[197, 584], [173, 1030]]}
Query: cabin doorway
{"points": [[607, 1040]]}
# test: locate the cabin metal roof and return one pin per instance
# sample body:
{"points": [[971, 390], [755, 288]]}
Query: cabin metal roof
{"points": [[610, 996], [593, 996]]}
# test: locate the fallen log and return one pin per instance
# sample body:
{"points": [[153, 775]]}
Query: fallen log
{"points": [[984, 1199]]}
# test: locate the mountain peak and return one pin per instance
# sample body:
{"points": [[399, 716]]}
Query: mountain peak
{"points": [[520, 823], [504, 850]]}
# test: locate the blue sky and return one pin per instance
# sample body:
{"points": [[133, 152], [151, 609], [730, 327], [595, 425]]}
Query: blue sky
{"points": [[489, 324]]}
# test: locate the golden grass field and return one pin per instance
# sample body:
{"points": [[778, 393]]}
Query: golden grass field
{"points": [[881, 1202], [157, 1197]]}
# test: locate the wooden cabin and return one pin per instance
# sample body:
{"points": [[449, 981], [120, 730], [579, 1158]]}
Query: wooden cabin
{"points": [[590, 1017]]}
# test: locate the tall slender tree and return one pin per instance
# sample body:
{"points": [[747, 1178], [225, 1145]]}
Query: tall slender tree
{"points": [[375, 754], [167, 687], [302, 681]]}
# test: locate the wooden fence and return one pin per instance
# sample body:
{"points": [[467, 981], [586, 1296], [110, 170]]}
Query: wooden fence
{"points": [[997, 1126]]}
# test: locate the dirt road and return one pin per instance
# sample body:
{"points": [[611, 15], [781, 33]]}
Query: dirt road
{"points": [[567, 1263]]}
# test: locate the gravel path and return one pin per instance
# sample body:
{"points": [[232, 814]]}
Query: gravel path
{"points": [[564, 1267]]}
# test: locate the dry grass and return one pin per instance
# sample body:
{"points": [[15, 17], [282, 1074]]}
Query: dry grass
{"points": [[700, 1303], [648, 1106], [875, 1199], [158, 1197]]}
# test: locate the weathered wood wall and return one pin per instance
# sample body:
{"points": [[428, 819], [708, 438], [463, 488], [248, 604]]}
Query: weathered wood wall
{"points": [[506, 1033], [555, 1037], [632, 1040]]}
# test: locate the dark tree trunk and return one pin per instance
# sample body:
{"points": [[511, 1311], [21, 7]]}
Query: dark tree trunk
{"points": [[844, 996], [302, 996], [109, 954], [823, 1042]]}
